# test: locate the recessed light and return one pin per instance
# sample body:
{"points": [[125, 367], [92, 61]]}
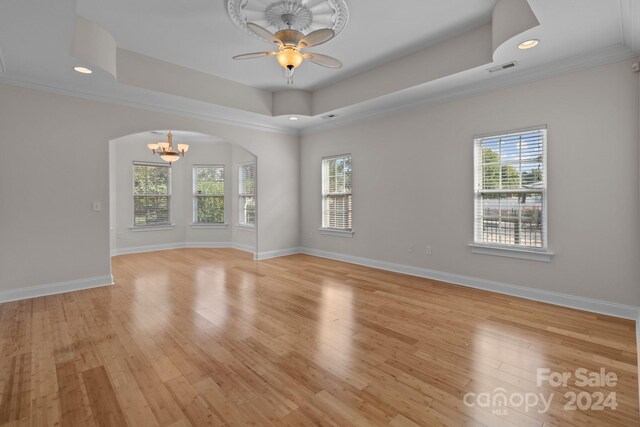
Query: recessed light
{"points": [[83, 70], [294, 118], [528, 44]]}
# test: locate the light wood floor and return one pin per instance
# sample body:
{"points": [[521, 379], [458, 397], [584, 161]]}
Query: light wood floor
{"points": [[210, 337]]}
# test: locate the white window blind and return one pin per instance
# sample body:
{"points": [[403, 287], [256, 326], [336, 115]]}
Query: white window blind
{"points": [[247, 193], [511, 189], [336, 192], [208, 194], [151, 194]]}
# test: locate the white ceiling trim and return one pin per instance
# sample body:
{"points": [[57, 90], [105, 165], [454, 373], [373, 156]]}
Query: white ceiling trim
{"points": [[216, 118], [606, 56], [603, 57]]}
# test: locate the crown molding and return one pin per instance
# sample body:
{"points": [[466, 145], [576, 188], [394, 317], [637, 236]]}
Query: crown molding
{"points": [[616, 53], [411, 101], [216, 118]]}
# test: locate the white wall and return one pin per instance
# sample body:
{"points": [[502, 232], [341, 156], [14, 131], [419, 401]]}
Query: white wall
{"points": [[55, 164], [413, 184], [129, 149]]}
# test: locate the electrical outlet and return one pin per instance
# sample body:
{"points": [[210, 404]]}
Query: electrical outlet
{"points": [[411, 249], [428, 250], [97, 206]]}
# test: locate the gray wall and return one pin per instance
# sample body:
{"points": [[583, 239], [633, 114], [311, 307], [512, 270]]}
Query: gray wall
{"points": [[413, 184], [56, 163]]}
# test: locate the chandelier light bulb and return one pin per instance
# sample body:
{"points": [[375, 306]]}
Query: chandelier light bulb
{"points": [[170, 157]]}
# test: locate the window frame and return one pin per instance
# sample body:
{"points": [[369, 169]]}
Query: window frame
{"points": [[330, 231], [242, 195], [194, 189], [512, 250], [149, 227]]}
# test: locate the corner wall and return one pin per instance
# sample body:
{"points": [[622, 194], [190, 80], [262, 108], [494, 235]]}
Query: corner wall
{"points": [[55, 165], [413, 184]]}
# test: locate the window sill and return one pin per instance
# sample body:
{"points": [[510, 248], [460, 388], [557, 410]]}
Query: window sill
{"points": [[531, 255], [246, 227], [137, 228], [208, 225], [336, 232]]}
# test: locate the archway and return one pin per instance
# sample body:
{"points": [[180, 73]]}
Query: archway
{"points": [[129, 230]]}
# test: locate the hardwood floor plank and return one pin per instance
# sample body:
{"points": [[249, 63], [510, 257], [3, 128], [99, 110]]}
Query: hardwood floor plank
{"points": [[196, 337], [74, 406], [194, 407], [161, 402], [104, 404]]}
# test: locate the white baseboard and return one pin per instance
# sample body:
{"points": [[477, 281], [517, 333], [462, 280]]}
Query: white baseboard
{"points": [[580, 303], [275, 254], [55, 288], [245, 248], [181, 245], [150, 248]]}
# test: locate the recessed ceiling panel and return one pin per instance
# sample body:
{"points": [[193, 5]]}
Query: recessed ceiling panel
{"points": [[199, 34]]}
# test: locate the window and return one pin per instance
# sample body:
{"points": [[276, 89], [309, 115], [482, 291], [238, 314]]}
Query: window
{"points": [[511, 190], [336, 193], [151, 194], [247, 194], [208, 194]]}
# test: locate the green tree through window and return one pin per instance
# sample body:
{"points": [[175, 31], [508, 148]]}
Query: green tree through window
{"points": [[151, 194], [511, 189], [208, 194]]}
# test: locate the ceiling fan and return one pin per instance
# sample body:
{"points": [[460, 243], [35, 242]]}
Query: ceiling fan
{"points": [[290, 43]]}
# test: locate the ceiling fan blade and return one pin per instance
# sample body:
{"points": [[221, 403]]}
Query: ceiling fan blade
{"points": [[324, 60], [317, 37], [254, 55], [264, 33]]}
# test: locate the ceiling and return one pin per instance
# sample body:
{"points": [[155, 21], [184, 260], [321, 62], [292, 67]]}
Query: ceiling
{"points": [[378, 45], [198, 34]]}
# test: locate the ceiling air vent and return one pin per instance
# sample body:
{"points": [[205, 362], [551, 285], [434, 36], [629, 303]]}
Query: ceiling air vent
{"points": [[503, 67], [329, 116]]}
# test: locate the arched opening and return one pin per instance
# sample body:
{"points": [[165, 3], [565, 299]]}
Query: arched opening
{"points": [[207, 199]]}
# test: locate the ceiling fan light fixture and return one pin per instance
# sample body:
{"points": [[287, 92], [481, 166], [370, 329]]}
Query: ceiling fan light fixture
{"points": [[528, 44], [289, 38], [289, 57]]}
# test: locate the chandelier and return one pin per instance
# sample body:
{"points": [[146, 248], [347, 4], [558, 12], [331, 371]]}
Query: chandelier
{"points": [[166, 151]]}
